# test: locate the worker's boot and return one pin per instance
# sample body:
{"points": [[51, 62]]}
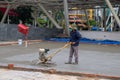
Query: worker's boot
{"points": [[68, 63], [76, 61]]}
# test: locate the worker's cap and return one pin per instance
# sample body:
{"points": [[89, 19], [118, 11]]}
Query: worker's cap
{"points": [[74, 26]]}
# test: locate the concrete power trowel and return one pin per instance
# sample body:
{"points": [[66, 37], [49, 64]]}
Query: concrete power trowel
{"points": [[44, 57]]}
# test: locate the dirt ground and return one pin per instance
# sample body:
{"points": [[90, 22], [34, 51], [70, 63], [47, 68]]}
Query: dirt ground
{"points": [[6, 74]]}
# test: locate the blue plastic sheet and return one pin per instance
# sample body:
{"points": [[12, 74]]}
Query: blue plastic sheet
{"points": [[86, 40]]}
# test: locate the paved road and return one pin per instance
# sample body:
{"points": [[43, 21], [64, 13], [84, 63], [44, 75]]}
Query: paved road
{"points": [[94, 59]]}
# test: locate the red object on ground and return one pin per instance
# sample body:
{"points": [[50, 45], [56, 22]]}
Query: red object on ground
{"points": [[10, 66], [23, 29]]}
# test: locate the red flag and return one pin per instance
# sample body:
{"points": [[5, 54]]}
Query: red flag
{"points": [[23, 29]]}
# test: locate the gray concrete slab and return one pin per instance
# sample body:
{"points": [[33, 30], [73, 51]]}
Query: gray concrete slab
{"points": [[93, 59]]}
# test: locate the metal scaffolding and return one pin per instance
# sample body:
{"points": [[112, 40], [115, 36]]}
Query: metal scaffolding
{"points": [[60, 4]]}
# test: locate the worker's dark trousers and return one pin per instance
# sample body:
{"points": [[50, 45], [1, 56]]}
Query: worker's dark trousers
{"points": [[73, 51]]}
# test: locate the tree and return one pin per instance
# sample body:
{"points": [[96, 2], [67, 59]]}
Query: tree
{"points": [[1, 15], [24, 14], [92, 22]]}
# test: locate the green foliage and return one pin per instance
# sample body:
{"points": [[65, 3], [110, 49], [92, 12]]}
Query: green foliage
{"points": [[1, 15], [10, 0], [92, 22], [24, 14], [41, 21], [59, 15]]}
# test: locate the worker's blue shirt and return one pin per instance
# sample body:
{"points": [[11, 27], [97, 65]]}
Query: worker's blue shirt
{"points": [[75, 37]]}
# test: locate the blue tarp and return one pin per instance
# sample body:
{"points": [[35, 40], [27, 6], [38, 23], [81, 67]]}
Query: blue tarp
{"points": [[85, 40]]}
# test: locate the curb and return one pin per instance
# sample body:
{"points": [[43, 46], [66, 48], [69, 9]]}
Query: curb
{"points": [[7, 43], [53, 71], [16, 42]]}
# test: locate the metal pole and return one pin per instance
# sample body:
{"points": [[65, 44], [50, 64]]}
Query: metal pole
{"points": [[86, 16], [34, 15], [45, 11], [104, 18], [113, 12], [5, 15], [66, 14]]}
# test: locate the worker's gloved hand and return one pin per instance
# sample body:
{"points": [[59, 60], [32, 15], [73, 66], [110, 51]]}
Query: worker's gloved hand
{"points": [[72, 42], [68, 42]]}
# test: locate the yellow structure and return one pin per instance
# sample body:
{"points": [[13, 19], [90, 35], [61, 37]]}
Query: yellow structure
{"points": [[79, 18], [90, 14], [80, 14]]}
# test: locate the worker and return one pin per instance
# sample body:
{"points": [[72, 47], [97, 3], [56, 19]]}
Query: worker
{"points": [[74, 41]]}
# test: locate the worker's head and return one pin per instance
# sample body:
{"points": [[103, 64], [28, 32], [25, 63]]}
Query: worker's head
{"points": [[74, 27]]}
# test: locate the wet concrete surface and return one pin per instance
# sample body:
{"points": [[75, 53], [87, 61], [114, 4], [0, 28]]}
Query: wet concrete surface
{"points": [[93, 58]]}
